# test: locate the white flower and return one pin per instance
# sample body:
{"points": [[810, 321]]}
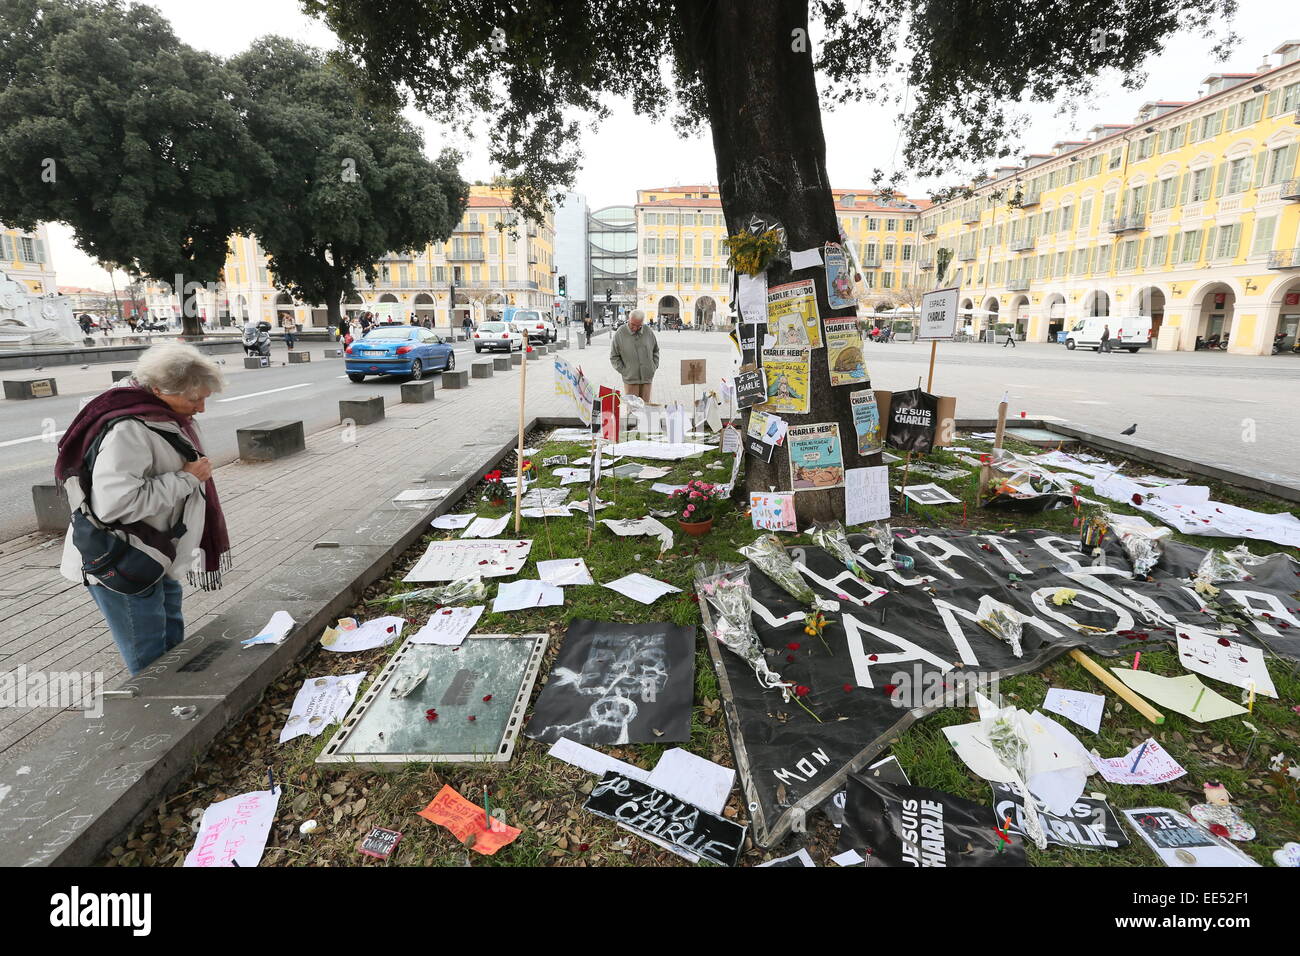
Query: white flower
{"points": [[1277, 761]]}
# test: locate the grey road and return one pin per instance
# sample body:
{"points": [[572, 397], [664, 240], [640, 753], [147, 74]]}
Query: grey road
{"points": [[29, 430]]}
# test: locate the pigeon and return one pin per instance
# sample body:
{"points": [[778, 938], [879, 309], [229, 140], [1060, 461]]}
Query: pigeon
{"points": [[84, 367], [39, 368], [1130, 430]]}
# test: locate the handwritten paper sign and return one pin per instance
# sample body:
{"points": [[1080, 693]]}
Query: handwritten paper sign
{"points": [[235, 830], [652, 813], [321, 701], [730, 440], [449, 560], [448, 626], [693, 371], [380, 843], [1156, 766], [465, 819], [866, 495], [772, 512], [1223, 659]]}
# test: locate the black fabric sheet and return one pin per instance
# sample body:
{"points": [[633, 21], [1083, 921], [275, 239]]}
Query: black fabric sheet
{"points": [[618, 684], [923, 634]]}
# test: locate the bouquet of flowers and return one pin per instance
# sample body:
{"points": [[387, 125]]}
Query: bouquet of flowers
{"points": [[699, 501], [1012, 750], [768, 555], [832, 537], [725, 588], [1232, 566], [883, 538], [466, 590], [1142, 542], [1002, 621]]}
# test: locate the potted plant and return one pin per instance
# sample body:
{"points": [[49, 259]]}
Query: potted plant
{"points": [[699, 502], [497, 490]]}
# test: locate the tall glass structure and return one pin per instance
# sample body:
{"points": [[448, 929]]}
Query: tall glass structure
{"points": [[611, 251]]}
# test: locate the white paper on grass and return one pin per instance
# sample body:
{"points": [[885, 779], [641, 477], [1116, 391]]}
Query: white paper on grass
{"points": [[563, 512], [1156, 766], [452, 522], [1185, 694], [660, 451], [482, 527], [848, 858], [448, 626], [1224, 660], [866, 495], [582, 506], [593, 761], [562, 571], [649, 472], [277, 628], [605, 461], [802, 855], [321, 701], [518, 595], [693, 779], [928, 494], [641, 587], [665, 488], [1079, 706], [235, 830], [888, 458], [570, 435], [635, 527], [573, 476], [367, 636], [805, 258], [449, 560], [421, 494]]}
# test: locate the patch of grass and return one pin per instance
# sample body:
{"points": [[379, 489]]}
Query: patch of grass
{"points": [[544, 797]]}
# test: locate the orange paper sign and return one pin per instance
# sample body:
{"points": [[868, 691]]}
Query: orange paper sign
{"points": [[465, 819]]}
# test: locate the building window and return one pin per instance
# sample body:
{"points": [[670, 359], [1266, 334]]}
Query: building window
{"points": [[891, 225], [907, 252], [1200, 188], [670, 275], [1116, 157], [1129, 255], [1238, 175], [670, 219], [1103, 259], [1191, 250], [708, 247], [651, 246], [889, 252], [1264, 229], [1225, 245], [688, 247], [688, 275], [873, 225], [886, 280], [27, 249], [1281, 163], [650, 275]]}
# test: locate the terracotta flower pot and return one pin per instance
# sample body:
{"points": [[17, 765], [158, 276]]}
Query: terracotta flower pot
{"points": [[696, 529]]}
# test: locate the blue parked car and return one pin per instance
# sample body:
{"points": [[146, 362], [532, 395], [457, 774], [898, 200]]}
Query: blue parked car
{"points": [[398, 350]]}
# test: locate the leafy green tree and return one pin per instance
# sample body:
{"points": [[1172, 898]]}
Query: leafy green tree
{"points": [[108, 123], [349, 181], [747, 69]]}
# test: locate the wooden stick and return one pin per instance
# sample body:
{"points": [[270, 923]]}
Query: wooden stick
{"points": [[902, 493], [1121, 689], [997, 443], [929, 382], [519, 463]]}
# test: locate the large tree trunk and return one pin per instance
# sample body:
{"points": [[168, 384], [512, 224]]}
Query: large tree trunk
{"points": [[191, 330], [755, 61]]}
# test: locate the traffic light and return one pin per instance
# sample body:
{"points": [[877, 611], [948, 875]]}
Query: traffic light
{"points": [[564, 286], [609, 295]]}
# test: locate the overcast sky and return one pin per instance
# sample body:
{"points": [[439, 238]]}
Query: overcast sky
{"points": [[628, 152]]}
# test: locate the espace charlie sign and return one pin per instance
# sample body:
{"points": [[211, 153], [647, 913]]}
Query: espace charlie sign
{"points": [[938, 315]]}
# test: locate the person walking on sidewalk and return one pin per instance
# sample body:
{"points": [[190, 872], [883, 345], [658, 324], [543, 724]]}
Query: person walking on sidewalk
{"points": [[634, 354], [148, 485], [586, 326], [1010, 338], [1105, 339]]}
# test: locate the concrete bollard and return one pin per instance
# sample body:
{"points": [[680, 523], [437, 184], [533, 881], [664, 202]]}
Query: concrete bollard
{"points": [[516, 358], [270, 440], [417, 392], [480, 369], [298, 358], [52, 509], [501, 363], [21, 389], [362, 411], [456, 378], [256, 361]]}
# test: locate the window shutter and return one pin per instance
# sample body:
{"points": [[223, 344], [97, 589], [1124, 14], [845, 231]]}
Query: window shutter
{"points": [[1214, 233], [1274, 102], [1261, 167], [1263, 241], [1286, 165], [1219, 172], [6, 248]]}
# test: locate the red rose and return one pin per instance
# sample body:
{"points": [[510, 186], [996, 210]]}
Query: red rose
{"points": [[889, 689], [802, 691], [1219, 830], [471, 717], [1137, 499], [793, 645], [487, 698], [790, 658], [848, 688]]}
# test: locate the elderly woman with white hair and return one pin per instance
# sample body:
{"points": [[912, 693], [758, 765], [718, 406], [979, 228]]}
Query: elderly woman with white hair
{"points": [[144, 506]]}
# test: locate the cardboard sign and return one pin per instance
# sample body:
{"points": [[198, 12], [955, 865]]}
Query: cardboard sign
{"points": [[380, 843], [693, 371], [816, 458], [751, 386], [946, 431], [465, 819], [938, 319], [684, 827], [772, 511], [42, 388]]}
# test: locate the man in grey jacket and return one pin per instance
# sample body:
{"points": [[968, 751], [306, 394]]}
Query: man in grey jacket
{"points": [[634, 354]]}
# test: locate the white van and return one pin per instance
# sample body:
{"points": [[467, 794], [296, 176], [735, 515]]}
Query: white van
{"points": [[1131, 332]]}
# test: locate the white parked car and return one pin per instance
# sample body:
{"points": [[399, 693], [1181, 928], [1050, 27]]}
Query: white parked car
{"points": [[1129, 332], [536, 325], [497, 336]]}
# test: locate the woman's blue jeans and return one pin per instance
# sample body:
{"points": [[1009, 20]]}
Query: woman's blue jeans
{"points": [[145, 626]]}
